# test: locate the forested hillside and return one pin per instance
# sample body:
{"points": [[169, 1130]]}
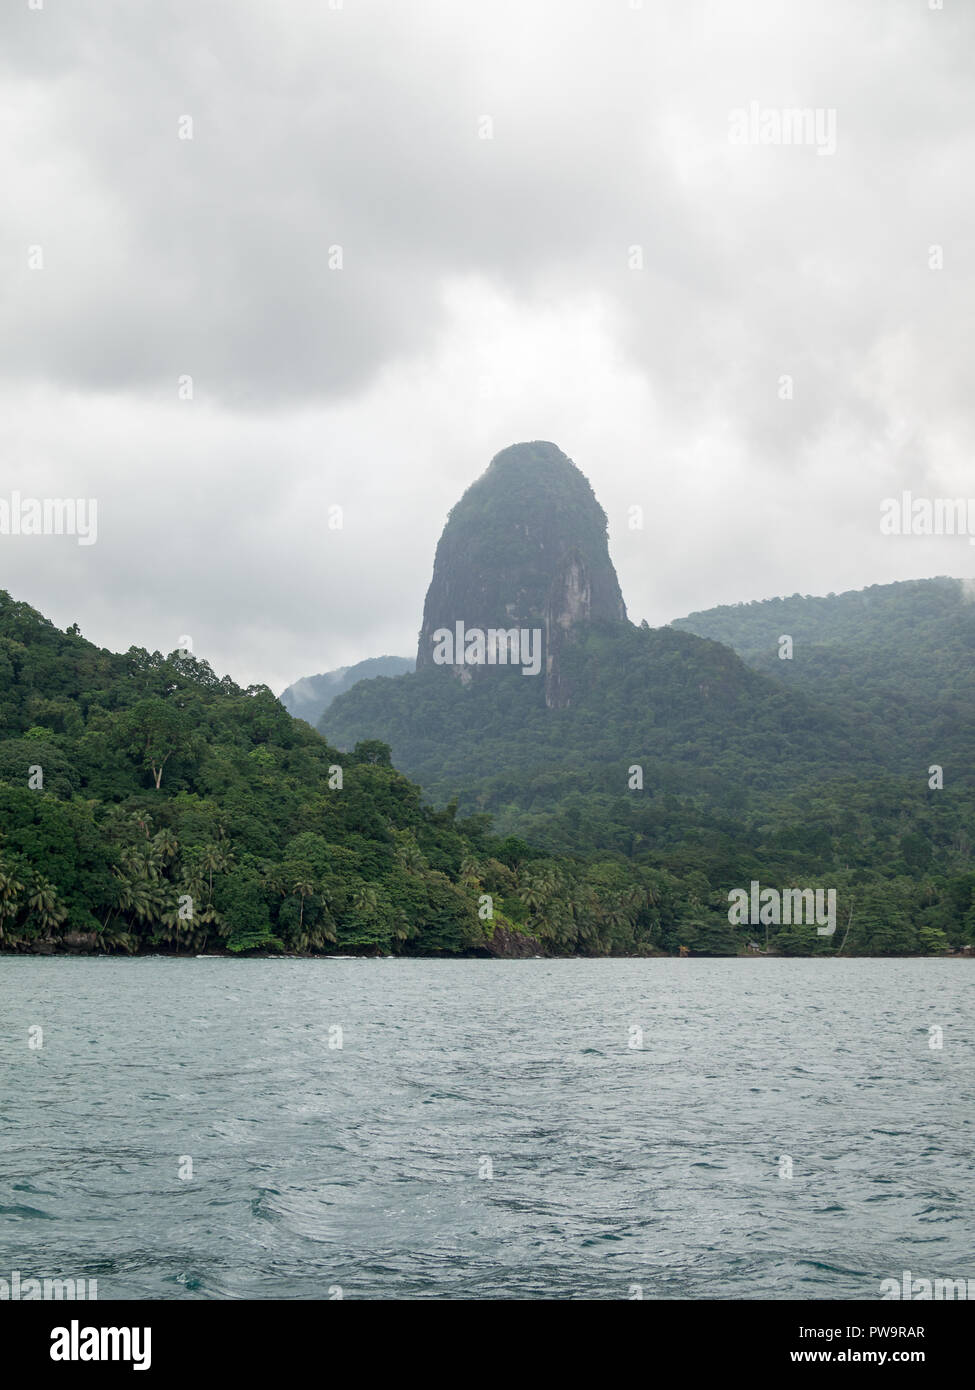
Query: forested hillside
{"points": [[146, 805], [740, 781], [899, 657], [701, 726]]}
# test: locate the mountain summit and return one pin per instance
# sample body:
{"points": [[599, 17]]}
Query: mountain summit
{"points": [[525, 547]]}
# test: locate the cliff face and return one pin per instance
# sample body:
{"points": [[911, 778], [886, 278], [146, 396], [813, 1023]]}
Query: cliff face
{"points": [[524, 548]]}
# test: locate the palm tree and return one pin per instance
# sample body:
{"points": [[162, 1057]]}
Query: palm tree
{"points": [[304, 889], [134, 892], [171, 921], [166, 844], [471, 871], [587, 911], [531, 890], [114, 935], [365, 898], [206, 919], [10, 891], [214, 860], [327, 927], [616, 911], [409, 853], [43, 902]]}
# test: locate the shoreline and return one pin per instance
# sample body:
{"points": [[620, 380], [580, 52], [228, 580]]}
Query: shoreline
{"points": [[453, 956]]}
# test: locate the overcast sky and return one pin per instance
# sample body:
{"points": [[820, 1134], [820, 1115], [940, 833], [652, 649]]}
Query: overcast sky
{"points": [[488, 293]]}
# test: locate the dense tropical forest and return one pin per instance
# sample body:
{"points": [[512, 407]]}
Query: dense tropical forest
{"points": [[897, 657], [813, 770], [147, 805]]}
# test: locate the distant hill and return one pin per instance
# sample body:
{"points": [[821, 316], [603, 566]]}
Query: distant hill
{"points": [[311, 696], [896, 657], [703, 727]]}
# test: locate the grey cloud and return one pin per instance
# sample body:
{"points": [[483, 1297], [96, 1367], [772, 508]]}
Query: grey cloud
{"points": [[359, 127]]}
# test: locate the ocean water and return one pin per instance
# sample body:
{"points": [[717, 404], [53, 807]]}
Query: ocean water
{"points": [[486, 1129]]}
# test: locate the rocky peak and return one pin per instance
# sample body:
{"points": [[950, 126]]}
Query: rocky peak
{"points": [[525, 548]]}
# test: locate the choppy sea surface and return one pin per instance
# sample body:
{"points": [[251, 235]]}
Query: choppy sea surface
{"points": [[487, 1129]]}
